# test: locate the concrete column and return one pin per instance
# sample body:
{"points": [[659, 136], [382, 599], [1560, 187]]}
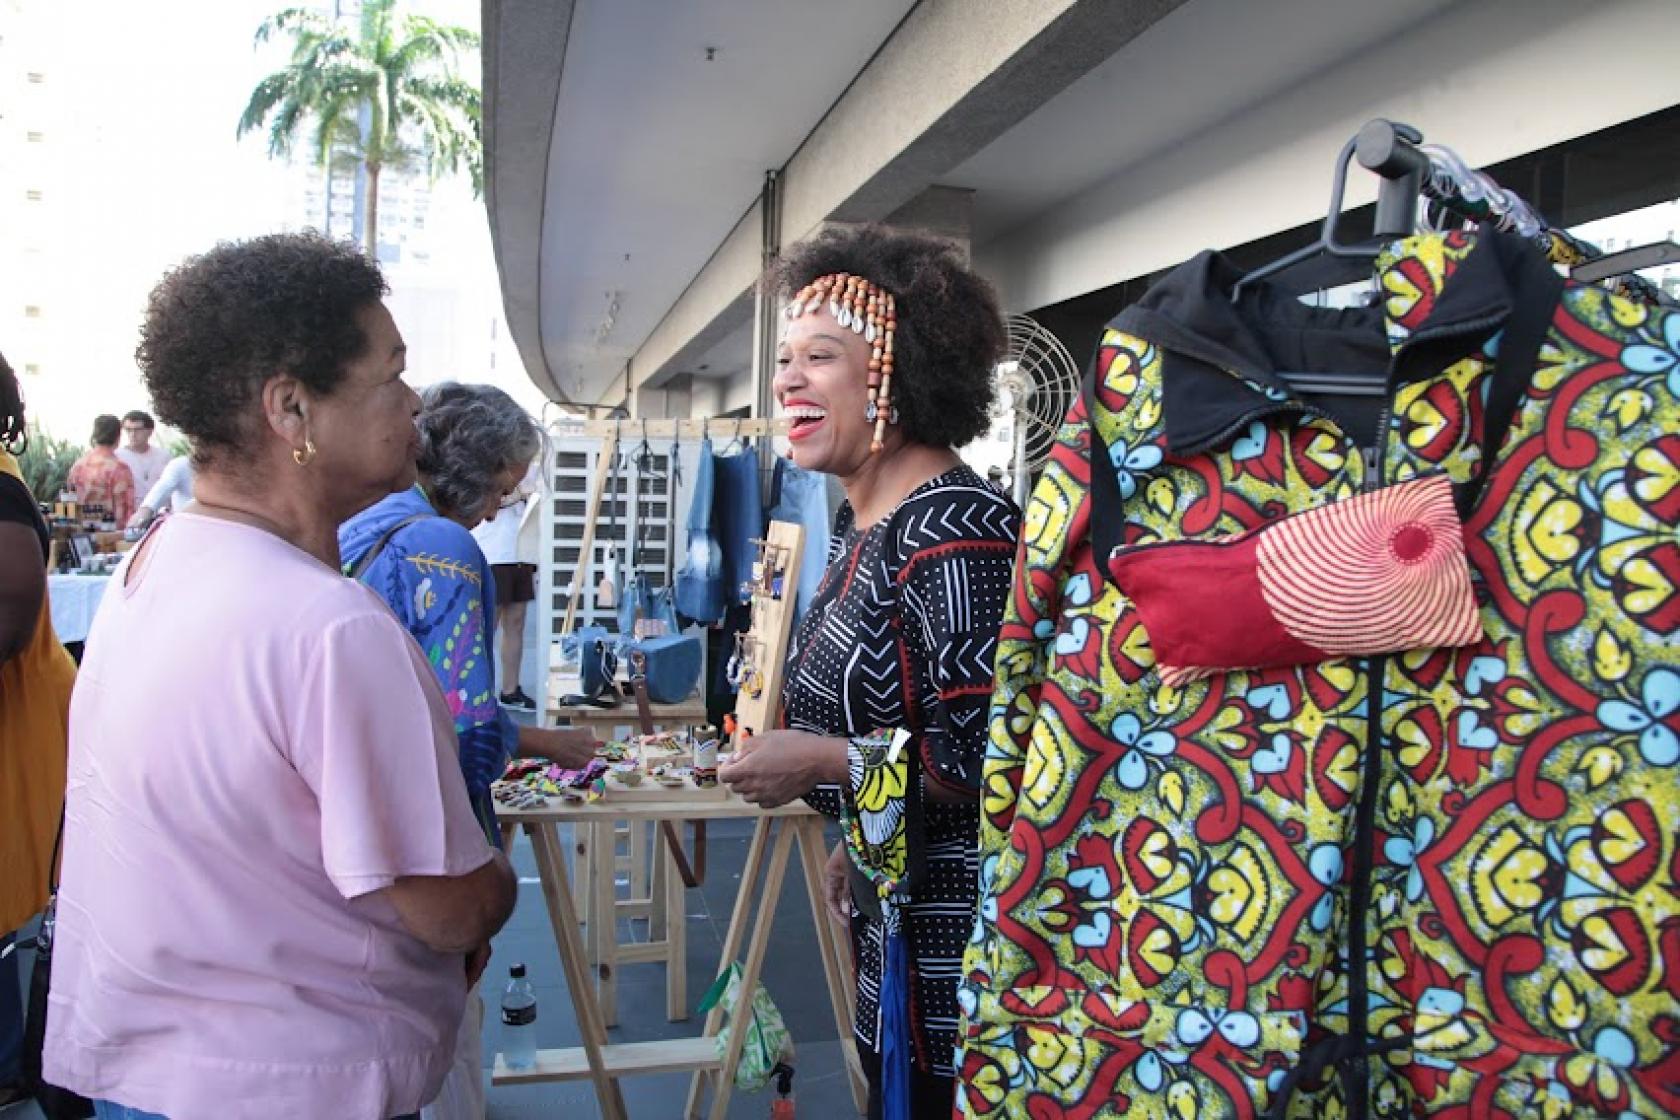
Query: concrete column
{"points": [[672, 400], [945, 212]]}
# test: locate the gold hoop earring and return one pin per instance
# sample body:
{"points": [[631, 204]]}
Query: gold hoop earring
{"points": [[306, 456]]}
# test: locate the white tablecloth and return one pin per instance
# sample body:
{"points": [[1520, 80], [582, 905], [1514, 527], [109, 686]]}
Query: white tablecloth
{"points": [[75, 600]]}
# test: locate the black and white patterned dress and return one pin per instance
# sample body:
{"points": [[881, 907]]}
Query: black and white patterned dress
{"points": [[901, 634]]}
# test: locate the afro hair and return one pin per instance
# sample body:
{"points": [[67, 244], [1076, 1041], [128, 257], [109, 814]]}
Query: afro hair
{"points": [[950, 333]]}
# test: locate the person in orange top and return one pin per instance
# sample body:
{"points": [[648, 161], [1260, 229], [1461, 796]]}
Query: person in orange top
{"points": [[100, 478], [35, 679]]}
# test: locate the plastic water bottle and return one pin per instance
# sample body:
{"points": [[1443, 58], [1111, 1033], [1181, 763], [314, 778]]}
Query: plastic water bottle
{"points": [[519, 1021]]}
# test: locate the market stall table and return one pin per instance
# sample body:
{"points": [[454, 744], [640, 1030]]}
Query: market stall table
{"points": [[75, 600], [609, 723], [604, 1062]]}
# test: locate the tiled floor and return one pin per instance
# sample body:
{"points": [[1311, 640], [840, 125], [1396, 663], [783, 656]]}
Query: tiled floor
{"points": [[792, 974]]}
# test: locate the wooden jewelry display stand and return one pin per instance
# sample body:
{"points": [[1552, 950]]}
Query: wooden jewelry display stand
{"points": [[765, 644]]}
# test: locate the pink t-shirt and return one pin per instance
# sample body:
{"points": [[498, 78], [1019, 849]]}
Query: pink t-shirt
{"points": [[236, 794]]}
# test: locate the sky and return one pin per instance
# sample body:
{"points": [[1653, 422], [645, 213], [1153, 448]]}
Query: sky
{"points": [[146, 170]]}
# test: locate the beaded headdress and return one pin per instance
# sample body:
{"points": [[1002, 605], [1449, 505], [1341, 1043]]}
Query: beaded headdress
{"points": [[864, 308]]}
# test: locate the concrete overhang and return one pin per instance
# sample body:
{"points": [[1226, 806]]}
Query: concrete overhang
{"points": [[1099, 138], [627, 141], [626, 138]]}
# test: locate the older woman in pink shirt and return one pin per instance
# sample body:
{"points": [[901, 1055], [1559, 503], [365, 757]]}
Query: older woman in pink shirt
{"points": [[274, 894]]}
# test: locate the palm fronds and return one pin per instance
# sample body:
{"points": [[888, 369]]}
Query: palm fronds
{"points": [[384, 88], [46, 462]]}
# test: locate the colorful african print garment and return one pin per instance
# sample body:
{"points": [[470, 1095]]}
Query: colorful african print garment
{"points": [[880, 819], [433, 575], [1439, 882]]}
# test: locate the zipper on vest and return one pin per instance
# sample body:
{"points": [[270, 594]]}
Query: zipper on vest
{"points": [[1359, 893], [1364, 836]]}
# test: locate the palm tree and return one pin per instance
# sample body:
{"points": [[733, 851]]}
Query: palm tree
{"points": [[385, 91]]}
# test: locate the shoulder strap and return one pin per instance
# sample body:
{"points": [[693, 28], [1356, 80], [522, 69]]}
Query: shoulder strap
{"points": [[385, 538], [58, 845], [1537, 295], [1105, 499]]}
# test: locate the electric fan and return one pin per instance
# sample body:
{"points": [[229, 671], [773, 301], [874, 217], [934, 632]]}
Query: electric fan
{"points": [[1037, 381]]}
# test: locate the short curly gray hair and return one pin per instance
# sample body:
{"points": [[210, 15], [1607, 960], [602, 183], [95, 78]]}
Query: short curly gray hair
{"points": [[469, 434]]}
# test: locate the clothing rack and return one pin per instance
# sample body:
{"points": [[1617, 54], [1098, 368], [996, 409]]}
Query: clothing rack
{"points": [[1433, 178], [1449, 185], [629, 431], [726, 427]]}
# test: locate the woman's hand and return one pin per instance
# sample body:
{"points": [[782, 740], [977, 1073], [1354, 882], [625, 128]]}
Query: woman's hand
{"points": [[571, 747], [837, 884], [777, 767]]}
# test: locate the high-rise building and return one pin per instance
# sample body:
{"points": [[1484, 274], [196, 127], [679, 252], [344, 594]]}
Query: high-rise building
{"points": [[32, 307], [118, 158], [433, 243]]}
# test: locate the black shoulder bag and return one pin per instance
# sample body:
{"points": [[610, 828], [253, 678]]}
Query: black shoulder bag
{"points": [[55, 1103]]}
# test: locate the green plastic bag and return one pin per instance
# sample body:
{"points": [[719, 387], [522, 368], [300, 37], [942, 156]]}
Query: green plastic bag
{"points": [[767, 1042]]}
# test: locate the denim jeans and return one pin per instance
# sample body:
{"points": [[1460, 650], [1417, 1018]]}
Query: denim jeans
{"points": [[105, 1110], [11, 1013]]}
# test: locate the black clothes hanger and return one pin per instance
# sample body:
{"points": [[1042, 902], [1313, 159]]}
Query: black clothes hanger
{"points": [[1387, 149]]}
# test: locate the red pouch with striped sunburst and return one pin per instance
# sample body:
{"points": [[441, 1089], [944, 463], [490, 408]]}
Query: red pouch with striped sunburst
{"points": [[1378, 573]]}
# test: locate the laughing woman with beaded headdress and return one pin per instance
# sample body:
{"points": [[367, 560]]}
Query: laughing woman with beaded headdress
{"points": [[885, 368]]}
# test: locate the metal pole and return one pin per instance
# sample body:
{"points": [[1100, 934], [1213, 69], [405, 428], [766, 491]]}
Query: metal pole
{"points": [[764, 313], [1020, 477]]}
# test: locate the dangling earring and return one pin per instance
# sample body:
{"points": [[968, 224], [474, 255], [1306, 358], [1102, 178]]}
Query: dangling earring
{"points": [[733, 667], [307, 455]]}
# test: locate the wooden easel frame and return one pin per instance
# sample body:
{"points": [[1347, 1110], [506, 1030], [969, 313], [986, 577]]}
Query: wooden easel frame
{"points": [[776, 833]]}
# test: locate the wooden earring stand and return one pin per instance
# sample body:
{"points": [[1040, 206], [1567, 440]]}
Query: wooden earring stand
{"points": [[774, 591]]}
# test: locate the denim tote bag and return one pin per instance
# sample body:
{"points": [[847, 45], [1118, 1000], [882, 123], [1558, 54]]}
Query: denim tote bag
{"points": [[739, 517], [700, 583]]}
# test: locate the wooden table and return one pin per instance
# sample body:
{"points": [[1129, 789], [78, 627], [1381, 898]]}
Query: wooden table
{"points": [[75, 600], [644, 862], [604, 1062]]}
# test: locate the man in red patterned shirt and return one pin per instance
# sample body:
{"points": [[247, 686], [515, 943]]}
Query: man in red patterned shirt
{"points": [[101, 479]]}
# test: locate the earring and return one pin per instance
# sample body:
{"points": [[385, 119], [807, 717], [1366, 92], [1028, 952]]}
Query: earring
{"points": [[307, 455], [733, 667]]}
